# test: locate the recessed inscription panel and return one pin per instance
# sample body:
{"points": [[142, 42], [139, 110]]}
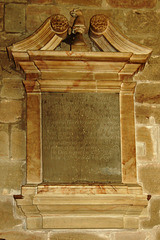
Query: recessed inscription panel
{"points": [[81, 138]]}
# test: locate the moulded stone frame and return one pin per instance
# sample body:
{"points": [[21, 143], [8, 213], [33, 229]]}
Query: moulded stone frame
{"points": [[34, 136], [47, 204], [112, 81]]}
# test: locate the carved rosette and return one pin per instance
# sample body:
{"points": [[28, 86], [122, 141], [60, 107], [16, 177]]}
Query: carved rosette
{"points": [[59, 24], [98, 24]]}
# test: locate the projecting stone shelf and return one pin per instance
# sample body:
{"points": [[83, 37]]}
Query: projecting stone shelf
{"points": [[80, 70], [99, 206]]}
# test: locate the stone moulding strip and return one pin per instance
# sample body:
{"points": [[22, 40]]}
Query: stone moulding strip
{"points": [[45, 70], [64, 71], [113, 206]]}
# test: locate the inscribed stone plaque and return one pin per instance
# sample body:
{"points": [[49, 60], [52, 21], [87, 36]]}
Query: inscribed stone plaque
{"points": [[81, 138]]}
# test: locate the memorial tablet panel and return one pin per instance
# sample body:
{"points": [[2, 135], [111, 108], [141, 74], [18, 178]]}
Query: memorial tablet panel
{"points": [[81, 138]]}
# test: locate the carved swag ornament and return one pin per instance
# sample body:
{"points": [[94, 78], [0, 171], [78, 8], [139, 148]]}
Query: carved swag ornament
{"points": [[110, 70]]}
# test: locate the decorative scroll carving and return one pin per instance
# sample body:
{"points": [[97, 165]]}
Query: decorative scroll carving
{"points": [[47, 37], [108, 38]]}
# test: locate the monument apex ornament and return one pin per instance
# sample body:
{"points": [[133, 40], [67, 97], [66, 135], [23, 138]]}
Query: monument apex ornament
{"points": [[78, 30], [54, 76]]}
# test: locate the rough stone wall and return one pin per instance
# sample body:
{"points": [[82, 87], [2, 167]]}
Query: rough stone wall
{"points": [[137, 19]]}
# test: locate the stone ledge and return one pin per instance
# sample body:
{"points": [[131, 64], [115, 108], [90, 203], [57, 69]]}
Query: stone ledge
{"points": [[59, 209]]}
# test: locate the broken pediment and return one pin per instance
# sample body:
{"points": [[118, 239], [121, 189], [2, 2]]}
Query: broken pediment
{"points": [[47, 71], [57, 28]]}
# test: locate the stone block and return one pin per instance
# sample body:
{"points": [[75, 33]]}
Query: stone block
{"points": [[7, 219], [132, 4], [1, 16], [34, 222], [11, 175], [10, 111], [158, 233], [4, 142], [147, 114], [7, 39], [150, 178], [150, 71], [14, 1], [37, 14], [18, 144], [9, 74], [130, 235], [12, 89], [81, 235], [147, 136], [154, 209], [96, 3], [148, 93], [15, 17], [143, 23], [131, 222], [23, 235], [41, 1]]}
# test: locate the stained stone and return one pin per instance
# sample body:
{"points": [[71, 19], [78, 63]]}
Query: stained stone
{"points": [[23, 235], [151, 70], [41, 1], [147, 113], [150, 178], [132, 4], [144, 136], [81, 138], [130, 235], [151, 91], [1, 16], [81, 2], [154, 214], [10, 111], [15, 17], [7, 220], [18, 148], [12, 175], [4, 142], [40, 13], [78, 236], [12, 89]]}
